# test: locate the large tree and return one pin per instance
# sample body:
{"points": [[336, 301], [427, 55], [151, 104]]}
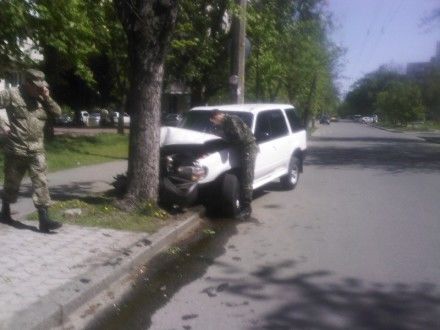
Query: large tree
{"points": [[199, 48], [148, 25], [292, 57], [430, 87], [82, 43], [362, 98], [15, 33], [400, 102]]}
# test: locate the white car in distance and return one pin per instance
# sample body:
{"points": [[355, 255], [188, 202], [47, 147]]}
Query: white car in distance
{"points": [[197, 162]]}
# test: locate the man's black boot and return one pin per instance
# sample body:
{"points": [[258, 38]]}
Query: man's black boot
{"points": [[46, 224], [245, 211], [5, 214]]}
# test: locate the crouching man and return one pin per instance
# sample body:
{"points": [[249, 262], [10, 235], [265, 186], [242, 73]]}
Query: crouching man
{"points": [[239, 134], [28, 107]]}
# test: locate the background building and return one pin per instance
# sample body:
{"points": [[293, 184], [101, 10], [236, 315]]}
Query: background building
{"points": [[421, 69]]}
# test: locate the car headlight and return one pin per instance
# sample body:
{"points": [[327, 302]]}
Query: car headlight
{"points": [[193, 173]]}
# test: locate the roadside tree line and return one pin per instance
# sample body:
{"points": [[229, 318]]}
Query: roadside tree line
{"points": [[100, 52], [84, 49], [397, 98]]}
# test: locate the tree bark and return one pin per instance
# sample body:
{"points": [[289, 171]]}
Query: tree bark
{"points": [[308, 113], [148, 25]]}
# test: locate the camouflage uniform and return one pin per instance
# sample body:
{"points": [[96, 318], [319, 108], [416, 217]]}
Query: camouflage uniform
{"points": [[24, 149], [237, 132]]}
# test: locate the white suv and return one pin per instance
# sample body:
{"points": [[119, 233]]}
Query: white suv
{"points": [[197, 162]]}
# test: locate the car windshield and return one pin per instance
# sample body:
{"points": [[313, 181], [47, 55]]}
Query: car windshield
{"points": [[199, 121]]}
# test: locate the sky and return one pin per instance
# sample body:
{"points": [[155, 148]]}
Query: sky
{"points": [[377, 32]]}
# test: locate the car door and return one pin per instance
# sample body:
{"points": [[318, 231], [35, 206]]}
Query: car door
{"points": [[270, 130], [297, 128], [279, 139], [264, 162]]}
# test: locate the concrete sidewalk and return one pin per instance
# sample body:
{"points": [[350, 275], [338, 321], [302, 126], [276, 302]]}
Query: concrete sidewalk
{"points": [[46, 278], [428, 136]]}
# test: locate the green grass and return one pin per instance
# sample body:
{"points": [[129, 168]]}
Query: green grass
{"points": [[67, 151], [100, 212]]}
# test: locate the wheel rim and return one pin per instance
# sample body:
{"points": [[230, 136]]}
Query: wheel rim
{"points": [[237, 204], [294, 174]]}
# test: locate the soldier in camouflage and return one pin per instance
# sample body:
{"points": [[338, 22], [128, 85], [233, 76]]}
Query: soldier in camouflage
{"points": [[27, 107], [240, 135]]}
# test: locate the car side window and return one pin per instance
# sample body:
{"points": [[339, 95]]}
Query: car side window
{"points": [[270, 125], [262, 128], [294, 121]]}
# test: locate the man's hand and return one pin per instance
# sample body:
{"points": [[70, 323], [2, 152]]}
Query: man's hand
{"points": [[44, 91]]}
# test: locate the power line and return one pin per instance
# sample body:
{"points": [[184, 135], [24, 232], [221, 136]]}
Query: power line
{"points": [[388, 20]]}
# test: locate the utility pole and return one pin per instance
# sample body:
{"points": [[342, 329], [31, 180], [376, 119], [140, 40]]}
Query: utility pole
{"points": [[236, 79]]}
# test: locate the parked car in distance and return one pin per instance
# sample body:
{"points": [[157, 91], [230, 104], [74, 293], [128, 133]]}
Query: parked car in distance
{"points": [[171, 119], [94, 119], [64, 120], [368, 120], [356, 118], [115, 117], [197, 162], [84, 118], [324, 120], [334, 119], [126, 119]]}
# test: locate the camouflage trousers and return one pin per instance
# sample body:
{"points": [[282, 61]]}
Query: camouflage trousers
{"points": [[15, 168], [248, 156]]}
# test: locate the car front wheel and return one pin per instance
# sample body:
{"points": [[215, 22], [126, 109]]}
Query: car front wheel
{"points": [[290, 180], [230, 192]]}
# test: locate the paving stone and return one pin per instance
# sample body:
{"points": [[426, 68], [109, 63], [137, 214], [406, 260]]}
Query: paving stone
{"points": [[33, 265]]}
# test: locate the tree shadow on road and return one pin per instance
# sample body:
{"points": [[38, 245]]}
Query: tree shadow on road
{"points": [[317, 300], [389, 154]]}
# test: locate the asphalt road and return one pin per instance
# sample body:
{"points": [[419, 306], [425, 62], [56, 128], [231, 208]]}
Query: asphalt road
{"points": [[355, 246]]}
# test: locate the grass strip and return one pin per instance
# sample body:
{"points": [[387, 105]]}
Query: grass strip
{"points": [[100, 212], [72, 151]]}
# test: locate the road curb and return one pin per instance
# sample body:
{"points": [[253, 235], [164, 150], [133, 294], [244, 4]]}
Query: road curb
{"points": [[67, 306], [431, 137]]}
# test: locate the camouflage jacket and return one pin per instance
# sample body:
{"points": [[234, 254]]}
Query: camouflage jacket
{"points": [[27, 117], [238, 133]]}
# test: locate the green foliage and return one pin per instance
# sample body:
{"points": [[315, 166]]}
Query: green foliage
{"points": [[85, 49], [362, 98], [15, 16], [82, 42], [430, 88], [398, 98], [292, 58], [67, 110], [400, 102], [198, 54]]}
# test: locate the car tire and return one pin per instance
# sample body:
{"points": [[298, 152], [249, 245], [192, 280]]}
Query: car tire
{"points": [[290, 180], [230, 192]]}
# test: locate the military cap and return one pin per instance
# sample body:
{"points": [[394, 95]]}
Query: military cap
{"points": [[36, 77]]}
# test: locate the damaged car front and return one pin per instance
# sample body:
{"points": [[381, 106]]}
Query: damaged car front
{"points": [[193, 157]]}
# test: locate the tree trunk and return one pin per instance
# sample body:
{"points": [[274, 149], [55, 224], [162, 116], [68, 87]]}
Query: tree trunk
{"points": [[148, 25], [308, 109], [197, 95]]}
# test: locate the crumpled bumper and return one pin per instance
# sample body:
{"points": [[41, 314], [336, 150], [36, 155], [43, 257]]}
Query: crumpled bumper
{"points": [[182, 194]]}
